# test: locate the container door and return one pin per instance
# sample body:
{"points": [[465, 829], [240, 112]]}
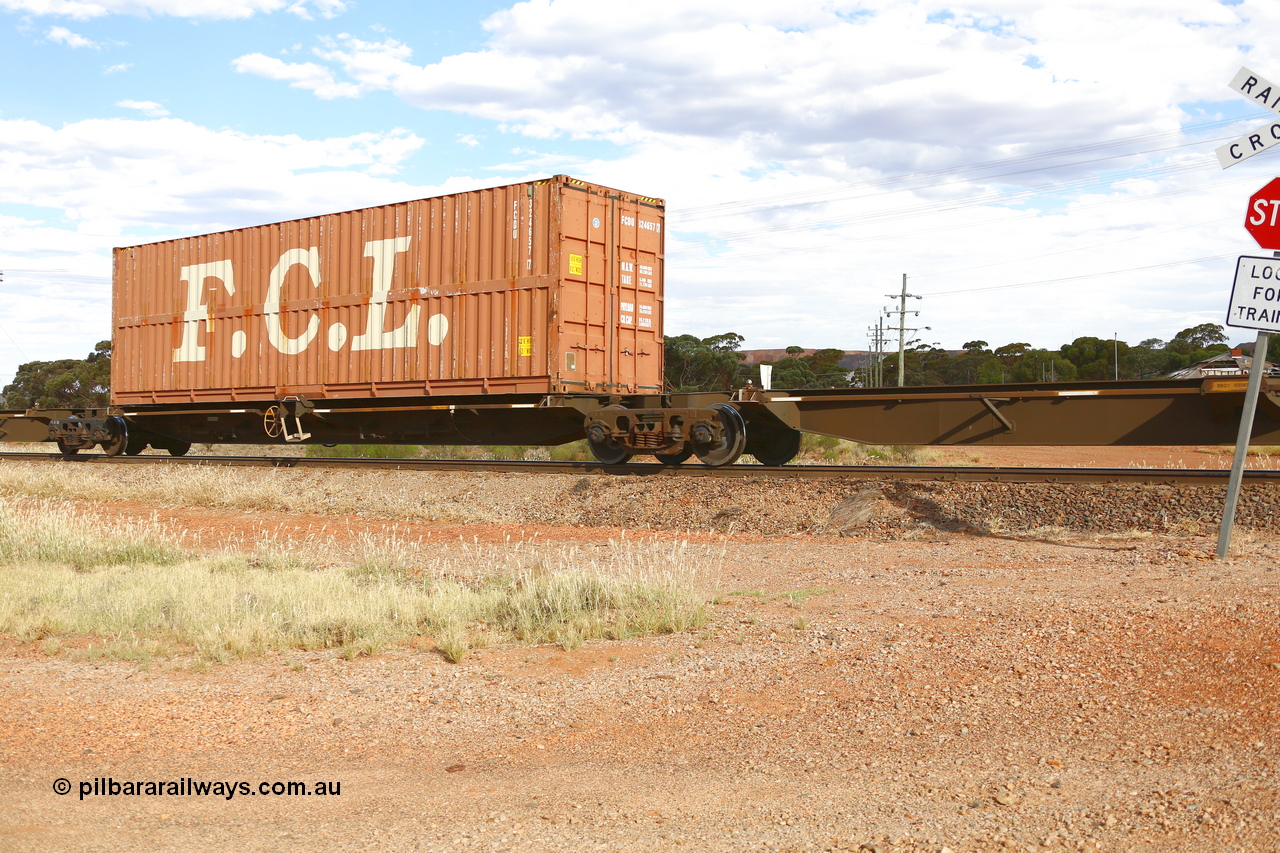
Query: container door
{"points": [[639, 296], [586, 304]]}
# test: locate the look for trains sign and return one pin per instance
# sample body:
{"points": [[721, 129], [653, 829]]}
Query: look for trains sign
{"points": [[1255, 295]]}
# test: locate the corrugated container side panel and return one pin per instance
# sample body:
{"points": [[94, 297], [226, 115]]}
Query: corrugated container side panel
{"points": [[382, 362], [475, 290], [491, 253], [350, 255]]}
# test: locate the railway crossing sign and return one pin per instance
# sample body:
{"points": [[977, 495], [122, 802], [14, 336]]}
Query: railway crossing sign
{"points": [[1255, 295], [1263, 217], [1258, 89]]}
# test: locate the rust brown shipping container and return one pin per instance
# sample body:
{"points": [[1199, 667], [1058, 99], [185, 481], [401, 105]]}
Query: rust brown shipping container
{"points": [[550, 286]]}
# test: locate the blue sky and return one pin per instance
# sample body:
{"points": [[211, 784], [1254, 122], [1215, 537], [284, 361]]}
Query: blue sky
{"points": [[1039, 171]]}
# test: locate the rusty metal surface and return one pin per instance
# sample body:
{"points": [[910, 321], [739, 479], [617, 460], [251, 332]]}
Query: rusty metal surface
{"points": [[1129, 476], [1139, 413], [540, 287]]}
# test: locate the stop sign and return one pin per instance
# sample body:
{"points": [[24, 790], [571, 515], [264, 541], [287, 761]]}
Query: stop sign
{"points": [[1263, 217]]}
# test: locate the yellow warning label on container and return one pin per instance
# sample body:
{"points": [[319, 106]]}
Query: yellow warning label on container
{"points": [[575, 265], [526, 345]]}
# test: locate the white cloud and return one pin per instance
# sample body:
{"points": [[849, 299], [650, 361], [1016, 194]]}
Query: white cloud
{"points": [[119, 174], [113, 182], [149, 108], [62, 35], [299, 75], [373, 64], [212, 9], [820, 105], [817, 109], [835, 87], [326, 8], [116, 69]]}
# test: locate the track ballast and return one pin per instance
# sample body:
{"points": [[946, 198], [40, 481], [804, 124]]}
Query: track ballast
{"points": [[981, 474]]}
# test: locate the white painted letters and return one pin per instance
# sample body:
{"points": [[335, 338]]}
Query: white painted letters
{"points": [[310, 258], [197, 310], [189, 348], [384, 254], [1259, 215]]}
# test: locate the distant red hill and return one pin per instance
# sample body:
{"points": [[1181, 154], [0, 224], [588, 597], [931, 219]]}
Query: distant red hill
{"points": [[853, 359]]}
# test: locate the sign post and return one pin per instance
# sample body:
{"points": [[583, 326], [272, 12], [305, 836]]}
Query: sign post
{"points": [[1255, 294], [1255, 304], [1256, 370]]}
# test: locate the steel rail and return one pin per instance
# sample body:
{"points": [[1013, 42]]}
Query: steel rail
{"points": [[972, 474]]}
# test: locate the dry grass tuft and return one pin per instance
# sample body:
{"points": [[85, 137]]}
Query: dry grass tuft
{"points": [[136, 588], [50, 531], [265, 489], [861, 509]]}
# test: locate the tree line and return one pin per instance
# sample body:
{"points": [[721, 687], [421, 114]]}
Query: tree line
{"points": [[67, 382], [715, 363]]}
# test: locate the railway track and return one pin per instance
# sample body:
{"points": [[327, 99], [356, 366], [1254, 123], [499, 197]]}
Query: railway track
{"points": [[978, 474]]}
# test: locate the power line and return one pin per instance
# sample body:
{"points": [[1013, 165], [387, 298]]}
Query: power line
{"points": [[765, 203], [971, 224], [6, 331], [932, 208], [1080, 248], [1078, 277]]}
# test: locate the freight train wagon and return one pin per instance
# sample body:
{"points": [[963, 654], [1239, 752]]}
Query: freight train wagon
{"points": [[523, 314], [529, 313]]}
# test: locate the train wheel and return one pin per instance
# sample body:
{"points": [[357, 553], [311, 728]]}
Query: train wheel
{"points": [[177, 448], [608, 454], [773, 446], [602, 450], [135, 446], [727, 451], [119, 439], [677, 458], [67, 449]]}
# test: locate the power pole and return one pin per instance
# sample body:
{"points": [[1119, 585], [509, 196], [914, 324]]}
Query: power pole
{"points": [[879, 352], [902, 313], [875, 370], [869, 372]]}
